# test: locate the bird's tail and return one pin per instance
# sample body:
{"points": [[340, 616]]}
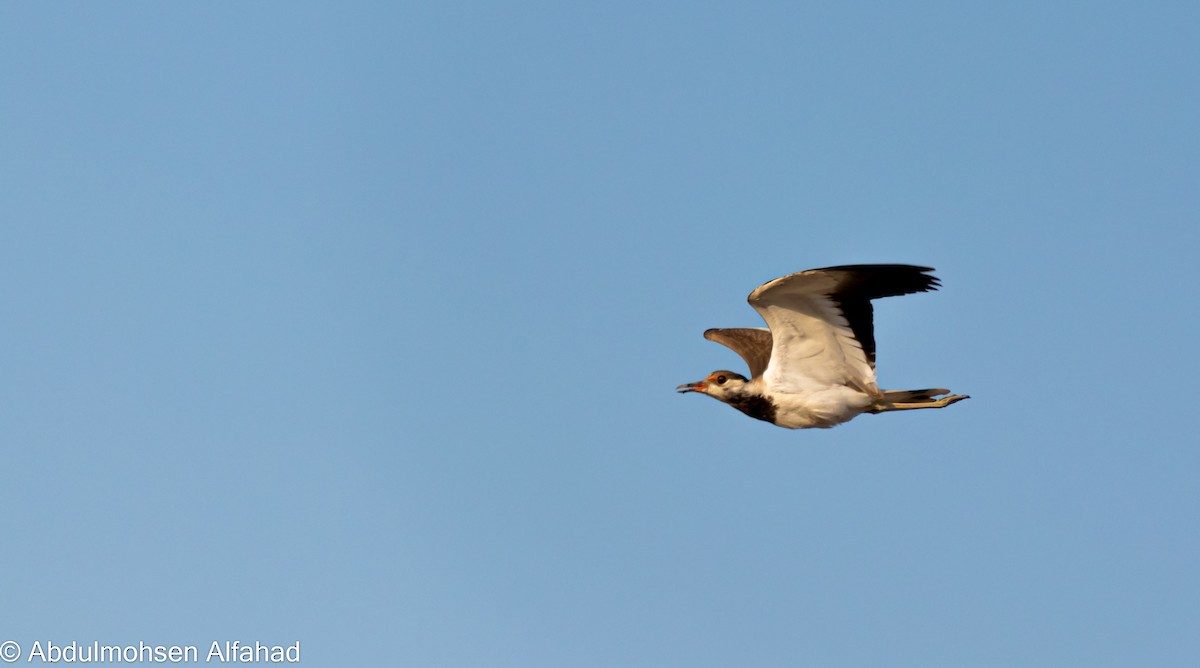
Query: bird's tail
{"points": [[912, 396], [906, 400]]}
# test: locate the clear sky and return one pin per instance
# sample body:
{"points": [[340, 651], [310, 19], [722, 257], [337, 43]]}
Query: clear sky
{"points": [[357, 325]]}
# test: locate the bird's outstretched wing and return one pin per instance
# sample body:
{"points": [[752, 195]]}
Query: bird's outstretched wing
{"points": [[752, 345], [821, 323]]}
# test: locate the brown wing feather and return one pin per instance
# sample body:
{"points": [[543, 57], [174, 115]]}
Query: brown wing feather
{"points": [[752, 345]]}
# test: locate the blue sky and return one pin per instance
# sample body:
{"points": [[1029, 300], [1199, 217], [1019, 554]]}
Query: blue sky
{"points": [[357, 325]]}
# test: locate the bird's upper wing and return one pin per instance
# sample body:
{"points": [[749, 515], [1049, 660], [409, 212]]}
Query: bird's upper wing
{"points": [[753, 345], [821, 323]]}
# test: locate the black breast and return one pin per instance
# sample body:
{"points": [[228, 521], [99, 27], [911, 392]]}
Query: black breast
{"points": [[755, 405]]}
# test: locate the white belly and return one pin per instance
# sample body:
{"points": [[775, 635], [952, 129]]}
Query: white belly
{"points": [[822, 408]]}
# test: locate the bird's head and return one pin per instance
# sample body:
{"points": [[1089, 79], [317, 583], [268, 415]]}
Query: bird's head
{"points": [[718, 385]]}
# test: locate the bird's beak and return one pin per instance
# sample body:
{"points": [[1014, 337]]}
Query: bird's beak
{"points": [[698, 386]]}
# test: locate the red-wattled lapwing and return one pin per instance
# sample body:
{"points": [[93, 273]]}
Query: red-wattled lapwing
{"points": [[815, 366]]}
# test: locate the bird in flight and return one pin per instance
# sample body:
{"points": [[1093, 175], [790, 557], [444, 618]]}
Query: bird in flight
{"points": [[815, 364]]}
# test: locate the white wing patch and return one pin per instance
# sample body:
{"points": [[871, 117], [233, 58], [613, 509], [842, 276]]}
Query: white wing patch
{"points": [[814, 347]]}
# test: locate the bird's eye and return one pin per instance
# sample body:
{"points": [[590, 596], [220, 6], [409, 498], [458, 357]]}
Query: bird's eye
{"points": [[721, 380]]}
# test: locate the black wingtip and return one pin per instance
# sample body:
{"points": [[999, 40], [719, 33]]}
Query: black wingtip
{"points": [[873, 281]]}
